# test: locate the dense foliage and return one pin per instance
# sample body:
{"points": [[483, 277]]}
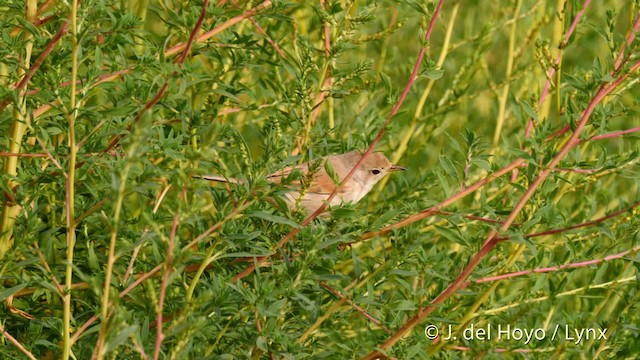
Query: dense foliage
{"points": [[518, 209]]}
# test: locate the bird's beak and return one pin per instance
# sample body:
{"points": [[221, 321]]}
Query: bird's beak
{"points": [[396, 168]]}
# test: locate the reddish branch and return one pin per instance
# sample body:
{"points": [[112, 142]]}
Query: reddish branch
{"points": [[16, 343], [414, 75], [218, 29], [360, 310], [554, 268], [435, 209], [461, 194], [614, 134], [621, 59], [174, 50], [578, 226], [39, 61], [552, 71], [101, 79], [262, 32], [143, 277], [123, 293]]}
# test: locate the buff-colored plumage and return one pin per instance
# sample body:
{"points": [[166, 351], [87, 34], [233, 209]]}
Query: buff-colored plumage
{"points": [[374, 167]]}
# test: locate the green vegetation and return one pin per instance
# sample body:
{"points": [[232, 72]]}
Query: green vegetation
{"points": [[519, 208]]}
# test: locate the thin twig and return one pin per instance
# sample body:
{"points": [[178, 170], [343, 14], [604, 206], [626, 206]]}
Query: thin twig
{"points": [[555, 268], [560, 295], [552, 70], [17, 343], [360, 310], [163, 287], [262, 32], [9, 154], [220, 28], [322, 92]]}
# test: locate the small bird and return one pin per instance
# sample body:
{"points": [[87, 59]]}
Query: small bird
{"points": [[308, 193]]}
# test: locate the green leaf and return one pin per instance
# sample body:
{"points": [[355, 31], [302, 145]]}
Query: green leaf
{"points": [[404, 305], [272, 218], [386, 80], [433, 74], [120, 337], [328, 167], [529, 110], [10, 291]]}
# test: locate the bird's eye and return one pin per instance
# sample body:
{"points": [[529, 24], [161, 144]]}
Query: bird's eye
{"points": [[375, 171]]}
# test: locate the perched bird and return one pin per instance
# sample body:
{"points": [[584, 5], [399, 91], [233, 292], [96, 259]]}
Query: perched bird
{"points": [[310, 191]]}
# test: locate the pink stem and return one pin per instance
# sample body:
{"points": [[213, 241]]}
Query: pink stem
{"points": [[614, 134], [554, 268]]}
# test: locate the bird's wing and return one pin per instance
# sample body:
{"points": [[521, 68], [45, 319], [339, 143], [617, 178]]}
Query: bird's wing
{"points": [[217, 178], [281, 175], [322, 183]]}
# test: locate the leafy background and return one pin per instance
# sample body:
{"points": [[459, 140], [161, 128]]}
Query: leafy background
{"points": [[109, 108]]}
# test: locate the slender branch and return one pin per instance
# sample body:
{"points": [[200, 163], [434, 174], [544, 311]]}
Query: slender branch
{"points": [[470, 217], [555, 268], [620, 59], [39, 61], [436, 208], [11, 210], [467, 191], [552, 71], [322, 92], [560, 295], [360, 310], [613, 134], [216, 226], [101, 79], [122, 294], [12, 154], [218, 29], [48, 268], [174, 50], [47, 50], [111, 258], [17, 343], [70, 186], [263, 33], [578, 226], [417, 114], [163, 287]]}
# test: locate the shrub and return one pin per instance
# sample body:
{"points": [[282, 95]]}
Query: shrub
{"points": [[518, 210]]}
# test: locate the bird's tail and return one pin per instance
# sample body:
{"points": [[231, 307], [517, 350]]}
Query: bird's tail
{"points": [[218, 179]]}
